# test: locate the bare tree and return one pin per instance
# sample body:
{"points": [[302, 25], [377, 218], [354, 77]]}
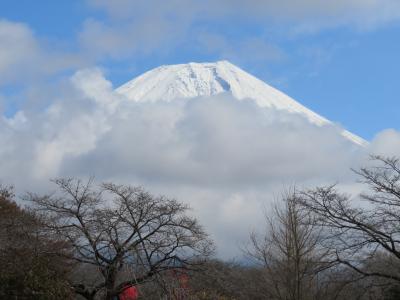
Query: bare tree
{"points": [[358, 235], [127, 234], [289, 252]]}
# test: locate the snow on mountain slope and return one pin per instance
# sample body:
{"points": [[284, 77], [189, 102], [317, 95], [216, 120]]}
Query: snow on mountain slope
{"points": [[206, 79]]}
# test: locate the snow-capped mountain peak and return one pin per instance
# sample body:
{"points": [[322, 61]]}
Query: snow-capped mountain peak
{"points": [[170, 82], [180, 81]]}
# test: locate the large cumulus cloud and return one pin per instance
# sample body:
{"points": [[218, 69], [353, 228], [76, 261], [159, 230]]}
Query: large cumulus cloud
{"points": [[226, 158]]}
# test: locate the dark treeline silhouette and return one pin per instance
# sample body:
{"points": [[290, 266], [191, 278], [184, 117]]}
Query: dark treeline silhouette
{"points": [[93, 242]]}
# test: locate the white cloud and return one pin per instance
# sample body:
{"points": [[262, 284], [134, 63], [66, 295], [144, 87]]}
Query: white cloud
{"points": [[17, 44], [135, 28], [226, 158], [25, 57], [158, 28], [146, 31], [386, 143], [360, 13]]}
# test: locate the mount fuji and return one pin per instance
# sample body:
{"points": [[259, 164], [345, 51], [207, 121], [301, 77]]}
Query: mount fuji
{"points": [[170, 82]]}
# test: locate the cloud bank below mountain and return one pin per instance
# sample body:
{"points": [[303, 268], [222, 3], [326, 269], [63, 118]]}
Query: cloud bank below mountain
{"points": [[226, 158]]}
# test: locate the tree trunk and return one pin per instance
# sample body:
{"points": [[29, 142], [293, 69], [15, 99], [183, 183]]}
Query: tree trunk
{"points": [[110, 284], [109, 292]]}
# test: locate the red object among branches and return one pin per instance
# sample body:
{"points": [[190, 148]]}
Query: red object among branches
{"points": [[129, 293]]}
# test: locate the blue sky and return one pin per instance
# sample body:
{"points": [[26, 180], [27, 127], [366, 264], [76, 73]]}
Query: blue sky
{"points": [[341, 61]]}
